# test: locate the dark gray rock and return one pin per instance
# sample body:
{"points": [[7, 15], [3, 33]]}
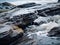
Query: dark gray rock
{"points": [[23, 20], [27, 5], [9, 39], [54, 32], [49, 11], [58, 0], [8, 35]]}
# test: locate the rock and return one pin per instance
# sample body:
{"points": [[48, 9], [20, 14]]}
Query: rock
{"points": [[5, 6], [19, 30], [24, 20], [4, 31], [27, 5], [41, 13], [51, 10], [5, 34], [10, 35], [6, 3], [54, 32], [58, 0]]}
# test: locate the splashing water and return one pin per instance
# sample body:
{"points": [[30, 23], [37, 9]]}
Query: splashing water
{"points": [[37, 35]]}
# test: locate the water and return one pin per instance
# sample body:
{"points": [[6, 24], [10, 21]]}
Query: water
{"points": [[37, 35], [19, 2]]}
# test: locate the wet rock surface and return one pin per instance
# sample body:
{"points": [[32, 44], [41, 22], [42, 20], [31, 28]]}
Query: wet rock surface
{"points": [[35, 25], [10, 34], [54, 32], [24, 20], [5, 6], [27, 5]]}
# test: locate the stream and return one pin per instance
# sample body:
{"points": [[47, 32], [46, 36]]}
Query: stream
{"points": [[37, 34]]}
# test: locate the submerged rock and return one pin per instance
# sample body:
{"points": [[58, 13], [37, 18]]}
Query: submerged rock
{"points": [[54, 32]]}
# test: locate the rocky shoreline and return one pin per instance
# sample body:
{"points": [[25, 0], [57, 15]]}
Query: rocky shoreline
{"points": [[38, 22]]}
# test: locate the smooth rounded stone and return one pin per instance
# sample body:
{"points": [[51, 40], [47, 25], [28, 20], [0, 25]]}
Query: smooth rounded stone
{"points": [[54, 32]]}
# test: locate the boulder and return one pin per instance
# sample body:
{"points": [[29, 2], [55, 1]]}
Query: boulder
{"points": [[47, 10], [58, 0], [54, 32], [5, 6], [24, 20], [10, 35], [27, 5]]}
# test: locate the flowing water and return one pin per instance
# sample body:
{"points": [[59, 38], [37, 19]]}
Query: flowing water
{"points": [[37, 34]]}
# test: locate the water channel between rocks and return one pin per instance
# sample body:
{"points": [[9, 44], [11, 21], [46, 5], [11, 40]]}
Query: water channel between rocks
{"points": [[37, 35]]}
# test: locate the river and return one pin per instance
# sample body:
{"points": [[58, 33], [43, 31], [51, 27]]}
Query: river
{"points": [[37, 34]]}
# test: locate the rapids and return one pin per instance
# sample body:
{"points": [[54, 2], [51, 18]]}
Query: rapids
{"points": [[37, 34]]}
